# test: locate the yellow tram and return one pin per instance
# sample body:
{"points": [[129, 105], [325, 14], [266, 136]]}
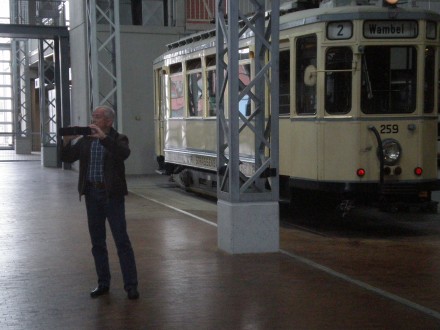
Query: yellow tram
{"points": [[358, 105]]}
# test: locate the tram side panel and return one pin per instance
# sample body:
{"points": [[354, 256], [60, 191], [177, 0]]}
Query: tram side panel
{"points": [[286, 149], [429, 150], [301, 143], [341, 150]]}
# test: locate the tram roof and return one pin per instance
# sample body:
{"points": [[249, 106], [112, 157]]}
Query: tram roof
{"points": [[206, 39], [353, 13]]}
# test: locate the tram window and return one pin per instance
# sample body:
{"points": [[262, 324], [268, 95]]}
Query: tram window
{"points": [[175, 68], [163, 104], [176, 92], [431, 30], [243, 54], [211, 79], [244, 75], [338, 83], [306, 52], [210, 85], [389, 77], [195, 94], [210, 60], [193, 64], [284, 82], [429, 85], [159, 93]]}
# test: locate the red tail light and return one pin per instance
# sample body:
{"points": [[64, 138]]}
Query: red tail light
{"points": [[360, 172]]}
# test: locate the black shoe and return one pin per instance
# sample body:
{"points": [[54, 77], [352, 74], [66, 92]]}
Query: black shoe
{"points": [[99, 291], [133, 293]]}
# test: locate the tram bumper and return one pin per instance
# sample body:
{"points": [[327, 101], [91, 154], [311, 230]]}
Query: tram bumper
{"points": [[389, 196]]}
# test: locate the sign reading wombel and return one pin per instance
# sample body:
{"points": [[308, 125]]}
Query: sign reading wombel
{"points": [[387, 29]]}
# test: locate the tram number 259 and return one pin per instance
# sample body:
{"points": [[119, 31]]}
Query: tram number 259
{"points": [[389, 129]]}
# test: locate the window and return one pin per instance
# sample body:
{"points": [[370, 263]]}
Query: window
{"points": [[211, 77], [306, 75], [195, 95], [212, 107], [337, 80], [176, 86], [429, 85], [160, 93], [389, 76], [284, 82], [6, 100]]}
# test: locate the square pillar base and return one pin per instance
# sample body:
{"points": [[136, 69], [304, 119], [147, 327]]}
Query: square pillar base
{"points": [[23, 146], [248, 227], [49, 156]]}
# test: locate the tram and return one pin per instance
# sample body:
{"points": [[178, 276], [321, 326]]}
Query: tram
{"points": [[358, 105]]}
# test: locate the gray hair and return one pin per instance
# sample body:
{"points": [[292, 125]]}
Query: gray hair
{"points": [[109, 113]]}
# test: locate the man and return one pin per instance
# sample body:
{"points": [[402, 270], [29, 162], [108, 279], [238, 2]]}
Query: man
{"points": [[102, 181]]}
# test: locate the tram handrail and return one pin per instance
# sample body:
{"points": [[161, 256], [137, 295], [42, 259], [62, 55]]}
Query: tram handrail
{"points": [[380, 151]]}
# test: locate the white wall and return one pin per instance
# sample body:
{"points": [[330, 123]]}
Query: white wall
{"points": [[78, 58], [139, 47]]}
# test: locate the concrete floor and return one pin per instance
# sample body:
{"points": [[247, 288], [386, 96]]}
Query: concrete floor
{"points": [[316, 281]]}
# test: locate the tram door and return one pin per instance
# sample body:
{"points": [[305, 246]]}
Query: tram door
{"points": [[160, 109]]}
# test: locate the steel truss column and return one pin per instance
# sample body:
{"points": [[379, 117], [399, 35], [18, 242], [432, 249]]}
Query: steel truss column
{"points": [[53, 93], [22, 90], [54, 90], [53, 65], [21, 86], [234, 185], [104, 55], [46, 75], [242, 196], [62, 86]]}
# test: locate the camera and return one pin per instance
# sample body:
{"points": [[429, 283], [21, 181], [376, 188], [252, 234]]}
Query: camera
{"points": [[76, 130]]}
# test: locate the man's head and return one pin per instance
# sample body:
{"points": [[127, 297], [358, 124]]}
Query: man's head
{"points": [[103, 117]]}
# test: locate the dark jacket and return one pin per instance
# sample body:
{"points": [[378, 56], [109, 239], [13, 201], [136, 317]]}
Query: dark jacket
{"points": [[116, 151]]}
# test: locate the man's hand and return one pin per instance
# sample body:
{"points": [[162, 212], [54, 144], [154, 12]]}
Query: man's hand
{"points": [[68, 138], [97, 132]]}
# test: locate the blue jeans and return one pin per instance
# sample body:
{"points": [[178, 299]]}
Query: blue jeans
{"points": [[99, 208]]}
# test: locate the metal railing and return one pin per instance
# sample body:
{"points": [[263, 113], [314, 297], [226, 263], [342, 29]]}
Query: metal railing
{"points": [[203, 11], [200, 11], [42, 12]]}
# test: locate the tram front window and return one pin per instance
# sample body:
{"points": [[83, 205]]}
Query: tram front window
{"points": [[389, 76], [429, 85], [306, 59], [338, 80]]}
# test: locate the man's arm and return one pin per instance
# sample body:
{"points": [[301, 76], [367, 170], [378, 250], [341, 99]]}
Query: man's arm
{"points": [[118, 146], [70, 152]]}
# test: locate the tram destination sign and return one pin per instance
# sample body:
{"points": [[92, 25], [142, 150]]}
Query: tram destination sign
{"points": [[390, 29]]}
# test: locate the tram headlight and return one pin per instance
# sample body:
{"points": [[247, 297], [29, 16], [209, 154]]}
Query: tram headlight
{"points": [[391, 151], [390, 2]]}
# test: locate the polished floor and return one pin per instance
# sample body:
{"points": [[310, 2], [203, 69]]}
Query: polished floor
{"points": [[316, 281]]}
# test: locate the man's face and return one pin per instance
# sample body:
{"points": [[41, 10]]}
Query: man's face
{"points": [[99, 119]]}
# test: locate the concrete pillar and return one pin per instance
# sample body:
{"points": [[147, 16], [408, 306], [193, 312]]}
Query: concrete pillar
{"points": [[23, 146], [248, 227], [49, 156]]}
